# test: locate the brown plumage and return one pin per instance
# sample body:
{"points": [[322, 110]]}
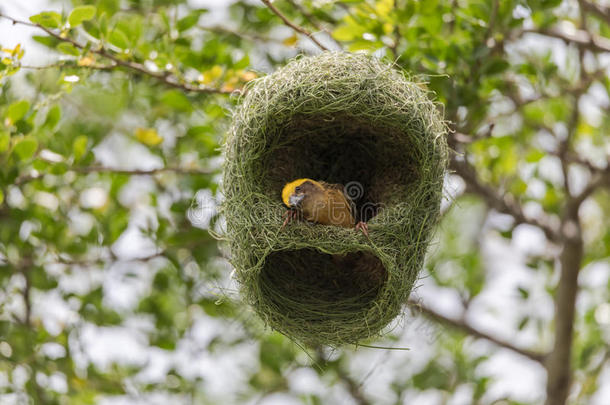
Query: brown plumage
{"points": [[319, 202]]}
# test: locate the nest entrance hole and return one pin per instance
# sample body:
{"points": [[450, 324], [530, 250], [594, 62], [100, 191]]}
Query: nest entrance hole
{"points": [[370, 161], [313, 285]]}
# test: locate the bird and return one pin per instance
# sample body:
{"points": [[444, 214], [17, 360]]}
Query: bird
{"points": [[320, 202]]}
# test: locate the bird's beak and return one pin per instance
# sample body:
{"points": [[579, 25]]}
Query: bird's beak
{"points": [[294, 200]]}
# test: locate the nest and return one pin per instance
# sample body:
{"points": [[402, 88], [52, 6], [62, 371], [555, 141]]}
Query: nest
{"points": [[341, 118]]}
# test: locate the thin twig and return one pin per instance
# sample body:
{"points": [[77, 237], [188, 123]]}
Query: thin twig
{"points": [[163, 77], [353, 387], [460, 324], [580, 38], [142, 172], [492, 19], [27, 298], [135, 172], [292, 25], [599, 10], [565, 144], [306, 14], [397, 36], [506, 203], [250, 36], [111, 258], [573, 157], [601, 179], [68, 64], [313, 21]]}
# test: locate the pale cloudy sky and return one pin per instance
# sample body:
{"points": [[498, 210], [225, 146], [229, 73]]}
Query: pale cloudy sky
{"points": [[11, 35]]}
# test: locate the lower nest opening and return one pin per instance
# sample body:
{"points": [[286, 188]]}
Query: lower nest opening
{"points": [[371, 161], [314, 287]]}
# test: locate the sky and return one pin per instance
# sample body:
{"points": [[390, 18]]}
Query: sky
{"points": [[11, 35]]}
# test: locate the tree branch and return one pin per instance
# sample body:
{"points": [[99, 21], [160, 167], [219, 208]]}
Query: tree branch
{"points": [[559, 361], [313, 21], [600, 179], [461, 325], [292, 25], [575, 158], [580, 38], [112, 258], [253, 37], [164, 77], [68, 64], [27, 298], [141, 172], [135, 172], [506, 203], [305, 13], [565, 145], [492, 19], [396, 35], [599, 10], [353, 386], [24, 267]]}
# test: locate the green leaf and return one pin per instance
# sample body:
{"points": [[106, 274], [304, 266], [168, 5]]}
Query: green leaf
{"points": [[80, 14], [5, 140], [17, 111], [49, 42], [434, 375], [42, 280], [68, 49], [550, 3], [47, 19], [79, 147], [187, 22], [534, 155], [523, 292], [176, 99], [496, 66], [119, 223], [103, 24], [119, 39], [53, 117], [92, 28], [523, 323], [344, 33], [1, 197], [26, 147]]}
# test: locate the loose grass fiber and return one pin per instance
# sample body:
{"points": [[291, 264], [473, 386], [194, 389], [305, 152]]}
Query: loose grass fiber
{"points": [[341, 118]]}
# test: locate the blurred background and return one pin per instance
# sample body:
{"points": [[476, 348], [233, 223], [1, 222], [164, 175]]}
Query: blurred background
{"points": [[112, 290]]}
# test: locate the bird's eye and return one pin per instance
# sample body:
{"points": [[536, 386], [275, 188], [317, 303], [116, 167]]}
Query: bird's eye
{"points": [[297, 189]]}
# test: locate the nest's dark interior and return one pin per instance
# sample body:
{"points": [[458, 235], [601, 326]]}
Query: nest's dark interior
{"points": [[344, 150], [307, 278]]}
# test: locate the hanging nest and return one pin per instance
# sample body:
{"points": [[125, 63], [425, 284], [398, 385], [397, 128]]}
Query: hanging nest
{"points": [[341, 118]]}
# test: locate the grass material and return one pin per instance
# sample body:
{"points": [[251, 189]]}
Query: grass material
{"points": [[341, 118]]}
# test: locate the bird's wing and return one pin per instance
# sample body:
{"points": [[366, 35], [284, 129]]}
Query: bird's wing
{"points": [[335, 192], [332, 186], [340, 188]]}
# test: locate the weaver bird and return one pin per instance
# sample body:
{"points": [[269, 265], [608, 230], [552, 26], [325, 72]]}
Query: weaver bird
{"points": [[319, 202]]}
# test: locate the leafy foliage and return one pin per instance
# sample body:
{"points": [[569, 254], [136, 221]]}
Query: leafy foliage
{"points": [[111, 285]]}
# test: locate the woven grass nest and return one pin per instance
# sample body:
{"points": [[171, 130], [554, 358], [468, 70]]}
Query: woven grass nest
{"points": [[341, 118]]}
